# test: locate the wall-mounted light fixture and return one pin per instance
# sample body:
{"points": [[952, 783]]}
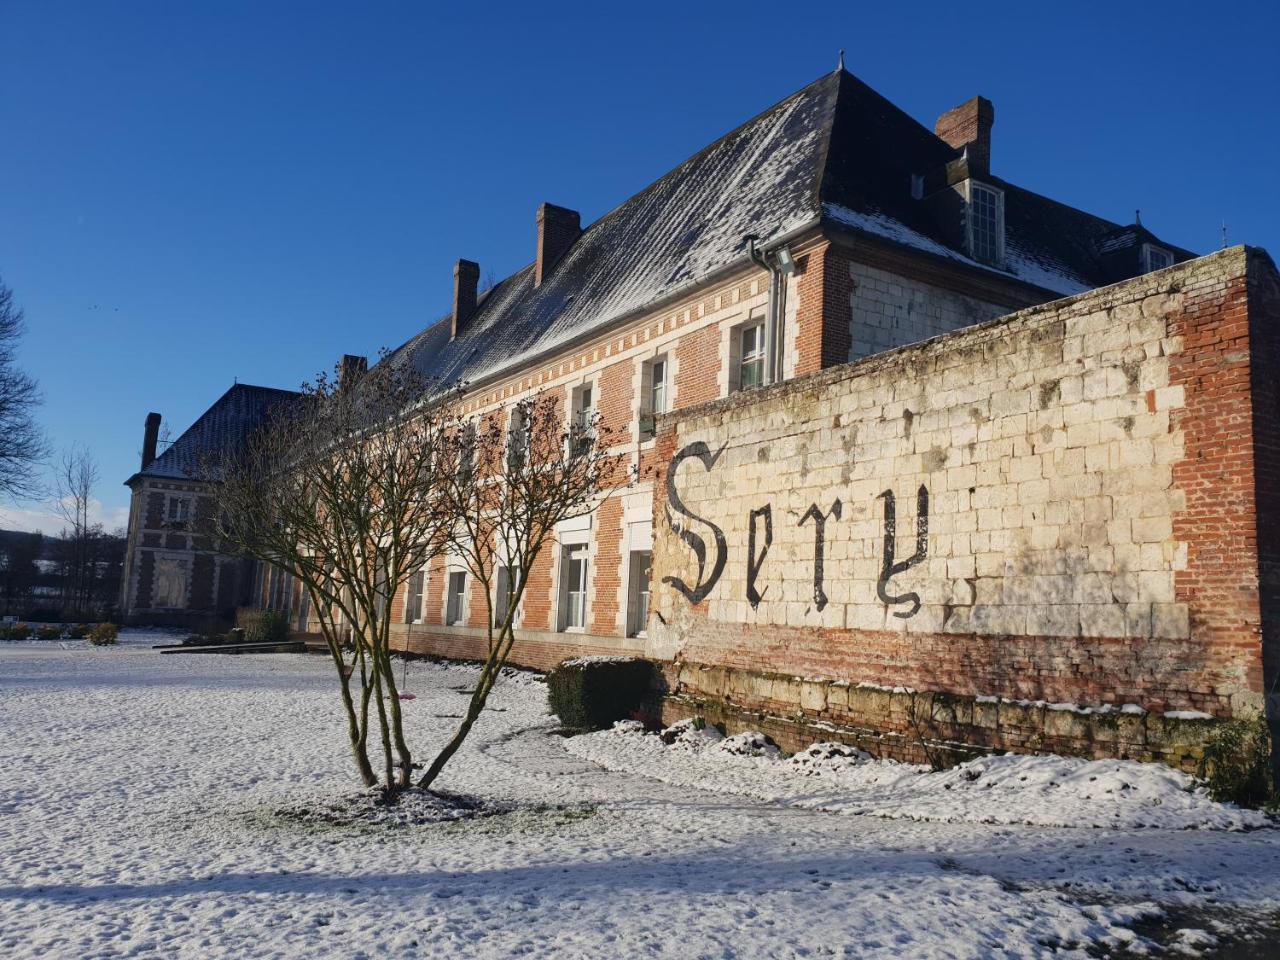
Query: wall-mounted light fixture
{"points": [[786, 263]]}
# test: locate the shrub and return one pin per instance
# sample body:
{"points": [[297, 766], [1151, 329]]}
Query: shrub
{"points": [[104, 634], [79, 631], [48, 631], [262, 626], [591, 693], [1237, 763], [15, 631]]}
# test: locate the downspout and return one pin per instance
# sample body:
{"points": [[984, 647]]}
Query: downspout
{"points": [[774, 313]]}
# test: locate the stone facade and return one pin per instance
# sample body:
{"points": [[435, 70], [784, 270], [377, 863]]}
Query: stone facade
{"points": [[888, 310], [1058, 507]]}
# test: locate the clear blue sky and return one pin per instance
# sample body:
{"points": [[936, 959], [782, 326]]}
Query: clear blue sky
{"points": [[193, 192]]}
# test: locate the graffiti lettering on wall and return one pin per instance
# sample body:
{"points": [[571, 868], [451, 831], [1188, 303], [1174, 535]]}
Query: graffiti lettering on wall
{"points": [[756, 560], [889, 569], [819, 547], [706, 580], [760, 539]]}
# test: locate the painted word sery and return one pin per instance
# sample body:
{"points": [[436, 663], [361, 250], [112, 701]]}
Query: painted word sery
{"points": [[760, 539]]}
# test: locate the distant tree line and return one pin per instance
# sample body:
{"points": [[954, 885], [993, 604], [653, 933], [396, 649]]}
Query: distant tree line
{"points": [[62, 578]]}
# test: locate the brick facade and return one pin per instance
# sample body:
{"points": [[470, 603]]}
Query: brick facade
{"points": [[172, 575]]}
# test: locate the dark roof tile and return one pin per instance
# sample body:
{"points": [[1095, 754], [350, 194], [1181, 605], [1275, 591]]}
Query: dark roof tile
{"points": [[227, 423]]}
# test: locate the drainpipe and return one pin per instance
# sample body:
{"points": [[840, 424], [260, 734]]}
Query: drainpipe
{"points": [[778, 264]]}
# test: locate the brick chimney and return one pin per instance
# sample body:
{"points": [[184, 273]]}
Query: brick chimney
{"points": [[466, 280], [350, 370], [558, 228], [150, 437], [969, 125]]}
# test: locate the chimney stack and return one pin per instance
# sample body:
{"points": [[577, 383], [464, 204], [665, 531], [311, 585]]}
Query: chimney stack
{"points": [[466, 280], [150, 437], [350, 370], [969, 125], [558, 228]]}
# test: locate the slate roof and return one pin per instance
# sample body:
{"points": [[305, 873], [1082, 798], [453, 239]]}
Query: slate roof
{"points": [[227, 423], [835, 152]]}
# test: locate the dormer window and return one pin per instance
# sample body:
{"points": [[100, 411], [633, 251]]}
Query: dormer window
{"points": [[1155, 258], [985, 224]]}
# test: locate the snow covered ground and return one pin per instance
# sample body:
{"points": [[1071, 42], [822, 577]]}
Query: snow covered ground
{"points": [[140, 800]]}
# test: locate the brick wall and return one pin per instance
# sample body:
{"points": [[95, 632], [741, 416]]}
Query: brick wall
{"points": [[606, 570], [1087, 473], [155, 545], [699, 360]]}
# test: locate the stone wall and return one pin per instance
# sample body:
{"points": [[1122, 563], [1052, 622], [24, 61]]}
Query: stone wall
{"points": [[1057, 507], [887, 310]]}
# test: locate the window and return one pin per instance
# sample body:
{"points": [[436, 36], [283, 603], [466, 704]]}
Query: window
{"points": [[653, 393], [582, 422], [750, 356], [501, 595], [658, 385], [517, 439], [276, 589], [573, 587], [304, 611], [179, 509], [466, 452], [638, 593], [413, 597], [1155, 258], [986, 224], [456, 609]]}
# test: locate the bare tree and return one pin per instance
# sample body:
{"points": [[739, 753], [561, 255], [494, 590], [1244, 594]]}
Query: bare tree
{"points": [[75, 480], [512, 478], [22, 445], [339, 489]]}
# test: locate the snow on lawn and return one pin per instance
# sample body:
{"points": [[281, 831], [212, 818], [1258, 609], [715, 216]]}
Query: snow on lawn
{"points": [[1044, 791], [144, 806]]}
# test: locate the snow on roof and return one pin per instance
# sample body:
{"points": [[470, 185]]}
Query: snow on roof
{"points": [[835, 150], [1028, 267], [228, 422], [760, 179]]}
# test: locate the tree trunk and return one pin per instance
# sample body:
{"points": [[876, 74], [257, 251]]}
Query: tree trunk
{"points": [[383, 728], [397, 725], [359, 749]]}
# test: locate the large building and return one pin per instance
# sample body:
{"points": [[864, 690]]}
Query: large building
{"points": [[172, 572], [831, 228]]}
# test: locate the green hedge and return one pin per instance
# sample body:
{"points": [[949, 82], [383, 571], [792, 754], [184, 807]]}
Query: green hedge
{"points": [[592, 693]]}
